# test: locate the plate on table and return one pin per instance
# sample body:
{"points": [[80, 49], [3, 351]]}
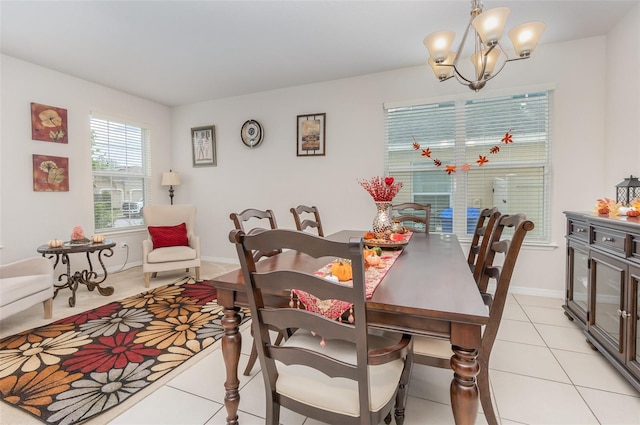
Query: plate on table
{"points": [[384, 243]]}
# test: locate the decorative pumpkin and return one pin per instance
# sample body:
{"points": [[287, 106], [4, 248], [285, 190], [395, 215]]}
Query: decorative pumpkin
{"points": [[372, 260], [97, 238], [633, 213], [55, 243], [367, 252], [369, 235], [342, 271]]}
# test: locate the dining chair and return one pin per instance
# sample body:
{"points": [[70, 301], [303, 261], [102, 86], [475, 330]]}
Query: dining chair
{"points": [[330, 370], [412, 215], [171, 243], [487, 220], [303, 223], [433, 351], [249, 222]]}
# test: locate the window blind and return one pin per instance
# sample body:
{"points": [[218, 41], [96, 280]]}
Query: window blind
{"points": [[464, 131], [120, 154]]}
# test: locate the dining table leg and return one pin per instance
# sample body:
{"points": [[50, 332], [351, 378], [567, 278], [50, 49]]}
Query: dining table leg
{"points": [[463, 389], [231, 346]]}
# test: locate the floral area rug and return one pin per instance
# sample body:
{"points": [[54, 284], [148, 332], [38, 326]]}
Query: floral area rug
{"points": [[78, 367]]}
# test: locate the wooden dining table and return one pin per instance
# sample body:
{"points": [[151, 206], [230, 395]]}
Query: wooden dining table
{"points": [[429, 290]]}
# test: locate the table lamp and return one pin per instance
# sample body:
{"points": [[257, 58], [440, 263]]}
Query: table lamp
{"points": [[170, 179]]}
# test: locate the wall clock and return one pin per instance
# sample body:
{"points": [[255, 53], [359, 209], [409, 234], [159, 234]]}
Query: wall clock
{"points": [[252, 133]]}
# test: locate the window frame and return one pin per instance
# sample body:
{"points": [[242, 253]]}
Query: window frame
{"points": [[459, 183], [128, 176]]}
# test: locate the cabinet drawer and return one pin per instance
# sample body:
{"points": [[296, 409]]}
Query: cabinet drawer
{"points": [[578, 229], [609, 239], [635, 249]]}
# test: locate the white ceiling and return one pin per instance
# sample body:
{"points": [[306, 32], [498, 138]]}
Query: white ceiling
{"points": [[179, 52]]}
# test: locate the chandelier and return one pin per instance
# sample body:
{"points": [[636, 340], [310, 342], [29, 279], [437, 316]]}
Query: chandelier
{"points": [[488, 51]]}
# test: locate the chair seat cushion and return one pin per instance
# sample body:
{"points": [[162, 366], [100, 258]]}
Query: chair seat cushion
{"points": [[164, 236], [312, 387], [432, 347], [171, 254], [16, 288]]}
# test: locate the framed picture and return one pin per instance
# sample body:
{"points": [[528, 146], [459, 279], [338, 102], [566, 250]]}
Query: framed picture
{"points": [[50, 173], [49, 123], [312, 139], [203, 143]]}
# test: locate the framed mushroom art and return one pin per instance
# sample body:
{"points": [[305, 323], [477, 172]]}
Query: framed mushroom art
{"points": [[49, 123]]}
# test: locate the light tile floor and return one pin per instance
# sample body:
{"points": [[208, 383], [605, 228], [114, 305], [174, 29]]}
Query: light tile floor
{"points": [[542, 372]]}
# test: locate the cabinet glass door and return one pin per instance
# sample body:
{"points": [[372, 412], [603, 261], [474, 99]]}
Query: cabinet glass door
{"points": [[608, 284], [579, 278], [633, 323]]}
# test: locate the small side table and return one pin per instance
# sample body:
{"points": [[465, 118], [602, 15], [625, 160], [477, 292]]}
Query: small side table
{"points": [[86, 277]]}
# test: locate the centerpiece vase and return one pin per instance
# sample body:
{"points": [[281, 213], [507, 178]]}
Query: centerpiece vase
{"points": [[382, 220]]}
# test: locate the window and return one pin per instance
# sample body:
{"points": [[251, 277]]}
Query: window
{"points": [[459, 132], [120, 156]]}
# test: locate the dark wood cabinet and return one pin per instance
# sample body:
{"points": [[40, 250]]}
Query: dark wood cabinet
{"points": [[603, 286]]}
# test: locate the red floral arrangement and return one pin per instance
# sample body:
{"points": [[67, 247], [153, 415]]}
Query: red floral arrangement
{"points": [[381, 189]]}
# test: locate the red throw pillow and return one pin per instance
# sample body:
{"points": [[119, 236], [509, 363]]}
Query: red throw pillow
{"points": [[163, 236]]}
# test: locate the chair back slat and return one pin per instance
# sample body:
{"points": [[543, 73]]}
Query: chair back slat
{"points": [[280, 280], [413, 215], [253, 216], [480, 242], [302, 223], [306, 320], [327, 365]]}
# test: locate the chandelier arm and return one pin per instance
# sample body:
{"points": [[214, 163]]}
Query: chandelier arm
{"points": [[462, 42], [456, 74]]}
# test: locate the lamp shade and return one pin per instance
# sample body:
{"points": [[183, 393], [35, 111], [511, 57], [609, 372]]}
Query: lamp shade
{"points": [[491, 60], [443, 72], [439, 44], [490, 24], [525, 37], [170, 178]]}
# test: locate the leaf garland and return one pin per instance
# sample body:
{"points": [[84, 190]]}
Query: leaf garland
{"points": [[452, 168]]}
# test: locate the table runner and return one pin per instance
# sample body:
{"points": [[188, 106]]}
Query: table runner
{"points": [[334, 309]]}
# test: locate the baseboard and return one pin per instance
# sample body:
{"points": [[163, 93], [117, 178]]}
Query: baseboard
{"points": [[537, 292]]}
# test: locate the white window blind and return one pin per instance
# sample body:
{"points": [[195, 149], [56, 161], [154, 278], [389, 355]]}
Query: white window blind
{"points": [[459, 132], [120, 154]]}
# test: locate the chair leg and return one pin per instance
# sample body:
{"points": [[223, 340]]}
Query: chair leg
{"points": [[48, 308], [147, 280], [485, 394], [198, 274], [254, 354], [252, 359], [273, 411], [403, 389]]}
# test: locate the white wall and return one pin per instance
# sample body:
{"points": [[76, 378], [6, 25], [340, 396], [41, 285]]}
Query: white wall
{"points": [[622, 139], [271, 176], [29, 219], [585, 161]]}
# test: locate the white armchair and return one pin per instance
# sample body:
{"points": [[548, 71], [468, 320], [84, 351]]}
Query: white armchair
{"points": [[168, 248], [25, 283]]}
